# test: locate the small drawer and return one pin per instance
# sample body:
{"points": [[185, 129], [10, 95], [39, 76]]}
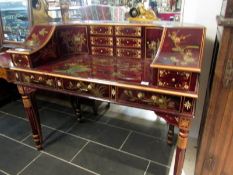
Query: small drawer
{"points": [[174, 79], [102, 41], [107, 51], [131, 53], [101, 30], [128, 42], [20, 60], [128, 31]]}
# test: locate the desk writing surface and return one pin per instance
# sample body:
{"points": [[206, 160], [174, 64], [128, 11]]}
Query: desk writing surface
{"points": [[128, 70]]}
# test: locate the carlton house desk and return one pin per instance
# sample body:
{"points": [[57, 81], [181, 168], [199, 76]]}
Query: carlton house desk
{"points": [[152, 66]]}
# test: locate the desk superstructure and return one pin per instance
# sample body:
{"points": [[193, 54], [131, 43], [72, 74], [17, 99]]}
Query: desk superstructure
{"points": [[148, 66]]}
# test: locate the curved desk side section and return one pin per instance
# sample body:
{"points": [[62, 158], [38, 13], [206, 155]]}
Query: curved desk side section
{"points": [[177, 64], [39, 48]]}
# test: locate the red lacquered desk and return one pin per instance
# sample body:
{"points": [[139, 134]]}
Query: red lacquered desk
{"points": [[149, 66]]}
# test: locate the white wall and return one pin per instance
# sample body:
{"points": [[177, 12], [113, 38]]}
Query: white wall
{"points": [[202, 12]]}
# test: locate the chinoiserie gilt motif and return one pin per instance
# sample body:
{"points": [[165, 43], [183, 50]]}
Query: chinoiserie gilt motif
{"points": [[74, 43], [184, 50], [161, 101], [153, 47]]}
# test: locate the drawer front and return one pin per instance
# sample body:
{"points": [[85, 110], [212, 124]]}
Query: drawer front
{"points": [[128, 31], [102, 51], [86, 88], [128, 42], [20, 60], [101, 30], [174, 79], [38, 79], [150, 99], [102, 41], [131, 53]]}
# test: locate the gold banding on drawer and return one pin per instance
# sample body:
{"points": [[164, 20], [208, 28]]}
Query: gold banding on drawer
{"points": [[128, 31], [102, 41], [174, 79], [131, 53], [107, 51], [101, 30], [128, 42]]}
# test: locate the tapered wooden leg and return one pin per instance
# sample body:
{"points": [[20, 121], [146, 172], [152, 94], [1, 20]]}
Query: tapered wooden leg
{"points": [[28, 97], [76, 107], [184, 124], [170, 135]]}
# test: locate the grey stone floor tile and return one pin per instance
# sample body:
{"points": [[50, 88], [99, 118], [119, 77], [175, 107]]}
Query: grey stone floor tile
{"points": [[15, 108], [14, 156], [156, 129], [61, 108], [107, 161], [47, 165], [150, 148], [56, 119], [14, 127], [59, 144], [155, 169], [101, 133]]}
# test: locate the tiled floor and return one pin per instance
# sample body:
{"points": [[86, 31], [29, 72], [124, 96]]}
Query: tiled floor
{"points": [[116, 142]]}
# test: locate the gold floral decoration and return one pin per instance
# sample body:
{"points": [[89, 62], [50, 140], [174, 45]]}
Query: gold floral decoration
{"points": [[157, 100], [187, 105], [185, 51]]}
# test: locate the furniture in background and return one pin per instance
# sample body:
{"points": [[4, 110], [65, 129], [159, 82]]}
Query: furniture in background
{"points": [[216, 137], [152, 66]]}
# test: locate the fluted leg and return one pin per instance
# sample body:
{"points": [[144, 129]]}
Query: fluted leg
{"points": [[184, 125], [28, 97], [170, 135]]}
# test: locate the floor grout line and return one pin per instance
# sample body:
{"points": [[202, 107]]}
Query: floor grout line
{"points": [[23, 118], [78, 152], [70, 163], [66, 133], [18, 141], [4, 172], [29, 163], [125, 140], [70, 128], [147, 168], [25, 138]]}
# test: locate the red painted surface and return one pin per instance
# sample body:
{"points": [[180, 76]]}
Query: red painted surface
{"points": [[5, 60]]}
